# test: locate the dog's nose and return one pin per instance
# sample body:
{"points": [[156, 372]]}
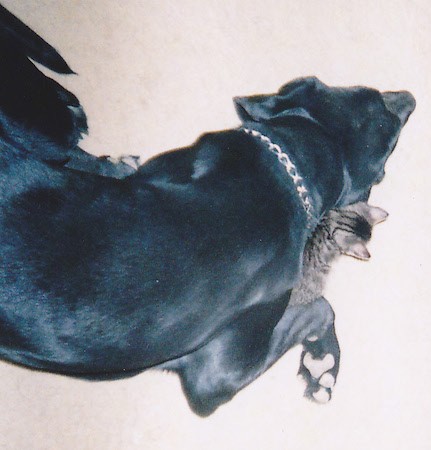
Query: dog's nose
{"points": [[400, 103]]}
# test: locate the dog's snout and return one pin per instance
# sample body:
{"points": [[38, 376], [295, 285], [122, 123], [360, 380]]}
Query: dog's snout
{"points": [[400, 103]]}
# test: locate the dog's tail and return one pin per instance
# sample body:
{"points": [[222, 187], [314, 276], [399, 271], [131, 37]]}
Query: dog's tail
{"points": [[37, 115], [19, 38]]}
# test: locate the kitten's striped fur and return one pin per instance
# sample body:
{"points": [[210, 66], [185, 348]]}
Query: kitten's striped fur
{"points": [[342, 231]]}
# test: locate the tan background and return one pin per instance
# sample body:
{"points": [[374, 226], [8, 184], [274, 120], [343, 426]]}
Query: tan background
{"points": [[154, 75]]}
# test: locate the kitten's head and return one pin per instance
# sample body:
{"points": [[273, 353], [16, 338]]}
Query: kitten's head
{"points": [[351, 228]]}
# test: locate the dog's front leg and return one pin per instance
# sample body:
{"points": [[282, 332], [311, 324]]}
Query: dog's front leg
{"points": [[213, 374], [246, 348], [312, 326], [320, 361]]}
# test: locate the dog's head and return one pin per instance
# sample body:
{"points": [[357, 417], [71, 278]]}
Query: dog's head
{"points": [[362, 121]]}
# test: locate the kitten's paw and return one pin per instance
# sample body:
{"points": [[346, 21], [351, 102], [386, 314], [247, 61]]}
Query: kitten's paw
{"points": [[319, 366]]}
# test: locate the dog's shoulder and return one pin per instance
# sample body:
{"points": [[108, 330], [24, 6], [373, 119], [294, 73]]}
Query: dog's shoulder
{"points": [[215, 154]]}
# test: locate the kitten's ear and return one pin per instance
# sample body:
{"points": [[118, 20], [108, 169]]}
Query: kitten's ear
{"points": [[357, 250], [376, 215]]}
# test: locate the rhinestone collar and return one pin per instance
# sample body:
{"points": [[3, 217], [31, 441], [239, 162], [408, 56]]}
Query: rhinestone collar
{"points": [[291, 170]]}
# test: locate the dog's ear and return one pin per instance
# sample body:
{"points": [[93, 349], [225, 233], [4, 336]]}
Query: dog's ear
{"points": [[292, 99]]}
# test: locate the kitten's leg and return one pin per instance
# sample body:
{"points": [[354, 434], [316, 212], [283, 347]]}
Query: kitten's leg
{"points": [[320, 361]]}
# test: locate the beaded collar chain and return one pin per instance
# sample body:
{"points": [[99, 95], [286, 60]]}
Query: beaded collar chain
{"points": [[291, 170]]}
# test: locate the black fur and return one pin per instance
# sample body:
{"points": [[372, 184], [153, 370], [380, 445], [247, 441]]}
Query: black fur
{"points": [[187, 263]]}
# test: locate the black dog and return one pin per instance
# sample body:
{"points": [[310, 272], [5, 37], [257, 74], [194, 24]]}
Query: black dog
{"points": [[186, 264]]}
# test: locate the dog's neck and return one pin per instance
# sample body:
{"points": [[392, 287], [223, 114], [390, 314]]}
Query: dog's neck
{"points": [[292, 171], [316, 177]]}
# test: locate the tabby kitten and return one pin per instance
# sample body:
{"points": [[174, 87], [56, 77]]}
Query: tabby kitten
{"points": [[343, 231]]}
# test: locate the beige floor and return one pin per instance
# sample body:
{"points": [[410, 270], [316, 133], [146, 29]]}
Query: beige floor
{"points": [[154, 75]]}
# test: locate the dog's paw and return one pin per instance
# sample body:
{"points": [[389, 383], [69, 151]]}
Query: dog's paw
{"points": [[319, 366], [131, 160], [128, 160], [120, 167], [318, 377]]}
